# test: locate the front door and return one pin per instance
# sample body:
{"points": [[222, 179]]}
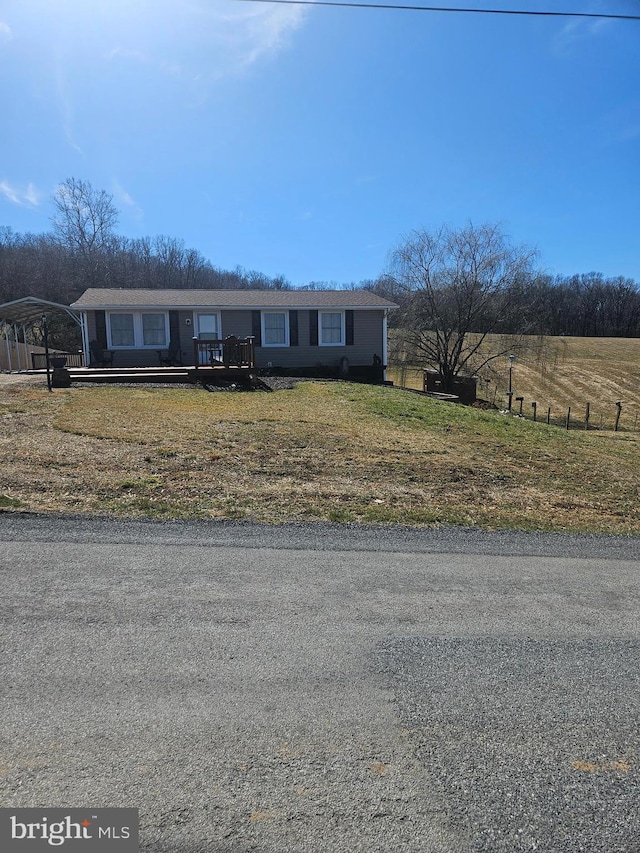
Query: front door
{"points": [[209, 330]]}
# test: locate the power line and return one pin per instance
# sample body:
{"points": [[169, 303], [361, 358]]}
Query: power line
{"points": [[448, 9]]}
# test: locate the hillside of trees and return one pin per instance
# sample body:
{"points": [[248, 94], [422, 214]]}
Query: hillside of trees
{"points": [[84, 250], [42, 265], [584, 305]]}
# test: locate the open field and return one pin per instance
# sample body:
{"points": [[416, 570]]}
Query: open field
{"points": [[324, 450], [560, 372]]}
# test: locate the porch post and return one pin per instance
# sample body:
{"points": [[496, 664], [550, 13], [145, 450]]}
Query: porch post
{"points": [[85, 339], [385, 345], [196, 355]]}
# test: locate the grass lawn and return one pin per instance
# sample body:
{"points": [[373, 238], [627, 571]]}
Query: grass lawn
{"points": [[322, 451]]}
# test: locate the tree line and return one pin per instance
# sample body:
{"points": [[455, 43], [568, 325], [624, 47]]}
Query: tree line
{"points": [[464, 292], [39, 265], [83, 250], [449, 282], [583, 305]]}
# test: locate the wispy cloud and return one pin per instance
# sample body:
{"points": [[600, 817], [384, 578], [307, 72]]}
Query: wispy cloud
{"points": [[29, 197], [126, 199], [578, 31], [255, 32], [65, 105], [211, 40], [5, 30]]}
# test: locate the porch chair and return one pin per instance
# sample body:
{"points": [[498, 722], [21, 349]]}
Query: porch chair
{"points": [[172, 356], [99, 357]]}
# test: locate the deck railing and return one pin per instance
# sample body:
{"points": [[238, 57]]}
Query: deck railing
{"points": [[73, 359], [227, 352]]}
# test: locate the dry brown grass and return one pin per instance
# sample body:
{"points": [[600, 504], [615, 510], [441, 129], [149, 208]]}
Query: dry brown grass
{"points": [[323, 451], [560, 372]]}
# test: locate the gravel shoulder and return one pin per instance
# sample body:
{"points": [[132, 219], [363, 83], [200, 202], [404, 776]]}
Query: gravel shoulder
{"points": [[316, 536]]}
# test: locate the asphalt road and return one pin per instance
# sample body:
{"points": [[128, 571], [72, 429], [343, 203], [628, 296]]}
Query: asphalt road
{"points": [[322, 688]]}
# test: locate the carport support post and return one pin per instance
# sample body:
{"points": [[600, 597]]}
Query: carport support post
{"points": [[6, 340], [45, 332], [16, 340]]}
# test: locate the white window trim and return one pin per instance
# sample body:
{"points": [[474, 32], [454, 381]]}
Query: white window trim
{"points": [[343, 331], [137, 330], [218, 314], [286, 328]]}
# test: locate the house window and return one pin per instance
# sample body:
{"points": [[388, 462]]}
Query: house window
{"points": [[154, 333], [275, 329], [331, 332], [138, 330], [122, 330]]}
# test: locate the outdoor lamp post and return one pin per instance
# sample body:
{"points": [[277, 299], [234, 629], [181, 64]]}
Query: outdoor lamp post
{"points": [[512, 358]]}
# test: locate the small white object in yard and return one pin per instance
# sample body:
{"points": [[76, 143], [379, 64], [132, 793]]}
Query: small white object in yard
{"points": [[378, 501]]}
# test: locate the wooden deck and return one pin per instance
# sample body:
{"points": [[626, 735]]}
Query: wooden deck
{"points": [[215, 362]]}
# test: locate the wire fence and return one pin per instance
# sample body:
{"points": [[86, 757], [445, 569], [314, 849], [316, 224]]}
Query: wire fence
{"points": [[582, 416], [585, 417]]}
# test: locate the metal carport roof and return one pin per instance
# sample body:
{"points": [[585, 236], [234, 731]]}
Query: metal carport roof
{"points": [[21, 312]]}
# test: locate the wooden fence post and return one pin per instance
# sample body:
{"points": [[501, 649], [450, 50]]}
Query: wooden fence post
{"points": [[568, 416], [549, 415], [619, 405], [586, 416], [534, 406]]}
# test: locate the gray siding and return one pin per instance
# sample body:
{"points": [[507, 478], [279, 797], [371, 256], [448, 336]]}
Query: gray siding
{"points": [[367, 326], [237, 322], [91, 325], [148, 357], [367, 342], [186, 336]]}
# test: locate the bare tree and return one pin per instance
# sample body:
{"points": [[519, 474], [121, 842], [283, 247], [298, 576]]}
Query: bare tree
{"points": [[84, 222], [460, 281]]}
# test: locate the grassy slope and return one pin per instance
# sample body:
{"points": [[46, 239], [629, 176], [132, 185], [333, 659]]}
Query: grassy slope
{"points": [[566, 372], [322, 451]]}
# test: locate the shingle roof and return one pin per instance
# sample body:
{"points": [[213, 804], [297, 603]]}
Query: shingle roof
{"points": [[110, 298]]}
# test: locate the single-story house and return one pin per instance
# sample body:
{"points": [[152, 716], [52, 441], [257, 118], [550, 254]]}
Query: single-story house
{"points": [[291, 329]]}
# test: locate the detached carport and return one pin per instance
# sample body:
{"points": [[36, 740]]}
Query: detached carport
{"points": [[16, 317]]}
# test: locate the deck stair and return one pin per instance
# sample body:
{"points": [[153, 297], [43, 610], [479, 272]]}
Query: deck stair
{"points": [[129, 374]]}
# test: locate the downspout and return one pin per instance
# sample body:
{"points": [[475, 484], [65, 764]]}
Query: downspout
{"points": [[384, 344]]}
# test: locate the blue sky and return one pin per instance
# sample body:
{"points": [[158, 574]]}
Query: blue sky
{"points": [[306, 142]]}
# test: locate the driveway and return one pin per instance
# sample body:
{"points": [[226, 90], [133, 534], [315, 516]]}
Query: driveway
{"points": [[324, 688]]}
